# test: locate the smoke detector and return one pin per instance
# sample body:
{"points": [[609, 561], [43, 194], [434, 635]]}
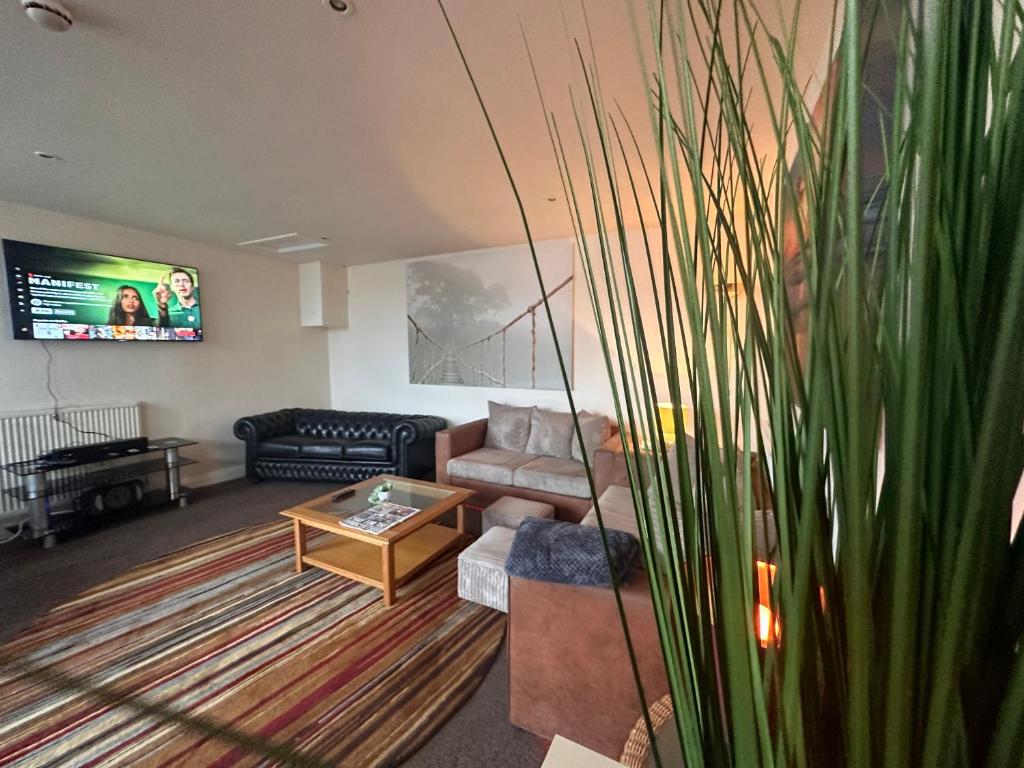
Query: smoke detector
{"points": [[341, 6], [48, 14]]}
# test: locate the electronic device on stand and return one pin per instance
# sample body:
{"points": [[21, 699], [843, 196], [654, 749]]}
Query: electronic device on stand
{"points": [[77, 455], [96, 479]]}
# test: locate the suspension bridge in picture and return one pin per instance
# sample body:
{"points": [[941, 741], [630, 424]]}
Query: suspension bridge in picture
{"points": [[480, 363]]}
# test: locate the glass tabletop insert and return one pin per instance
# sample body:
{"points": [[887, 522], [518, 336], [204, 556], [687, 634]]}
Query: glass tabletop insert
{"points": [[407, 493]]}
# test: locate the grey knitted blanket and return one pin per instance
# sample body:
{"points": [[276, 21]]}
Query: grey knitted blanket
{"points": [[566, 553]]}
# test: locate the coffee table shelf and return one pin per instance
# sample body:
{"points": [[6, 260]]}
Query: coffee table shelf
{"points": [[362, 562]]}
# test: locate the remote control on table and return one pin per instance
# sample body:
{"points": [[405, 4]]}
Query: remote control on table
{"points": [[344, 494]]}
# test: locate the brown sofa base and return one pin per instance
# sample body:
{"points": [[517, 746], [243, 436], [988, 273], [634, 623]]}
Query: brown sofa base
{"points": [[567, 508], [569, 671]]}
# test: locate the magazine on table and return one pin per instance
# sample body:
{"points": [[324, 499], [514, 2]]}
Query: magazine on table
{"points": [[379, 517]]}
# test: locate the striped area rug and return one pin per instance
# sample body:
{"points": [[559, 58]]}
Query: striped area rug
{"points": [[221, 655]]}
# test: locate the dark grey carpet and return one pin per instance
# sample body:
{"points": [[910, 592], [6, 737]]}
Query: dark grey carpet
{"points": [[33, 580]]}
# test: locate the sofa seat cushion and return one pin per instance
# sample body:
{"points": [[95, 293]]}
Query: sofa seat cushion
{"points": [[324, 448], [616, 510], [284, 446], [488, 465], [368, 450], [554, 475]]}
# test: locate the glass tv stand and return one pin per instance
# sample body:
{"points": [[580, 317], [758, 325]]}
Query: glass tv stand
{"points": [[43, 482]]}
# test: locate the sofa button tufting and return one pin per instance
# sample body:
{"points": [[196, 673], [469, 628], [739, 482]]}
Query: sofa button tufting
{"points": [[306, 444]]}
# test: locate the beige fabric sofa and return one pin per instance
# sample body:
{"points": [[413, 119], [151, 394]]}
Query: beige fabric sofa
{"points": [[462, 459]]}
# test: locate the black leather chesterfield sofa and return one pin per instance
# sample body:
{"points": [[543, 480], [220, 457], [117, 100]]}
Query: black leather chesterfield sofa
{"points": [[342, 446]]}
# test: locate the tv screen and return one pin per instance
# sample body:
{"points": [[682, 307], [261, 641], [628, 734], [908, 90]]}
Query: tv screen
{"points": [[59, 293]]}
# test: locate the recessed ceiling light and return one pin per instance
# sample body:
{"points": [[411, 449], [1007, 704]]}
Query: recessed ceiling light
{"points": [[341, 6], [302, 247], [289, 242], [259, 240], [46, 156]]}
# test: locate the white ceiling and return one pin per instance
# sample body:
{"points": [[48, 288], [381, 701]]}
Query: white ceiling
{"points": [[228, 120]]}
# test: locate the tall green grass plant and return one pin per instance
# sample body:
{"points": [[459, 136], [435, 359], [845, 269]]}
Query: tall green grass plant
{"points": [[884, 394]]}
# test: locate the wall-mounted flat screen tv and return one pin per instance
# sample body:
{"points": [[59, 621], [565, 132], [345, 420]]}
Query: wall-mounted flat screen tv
{"points": [[59, 293]]}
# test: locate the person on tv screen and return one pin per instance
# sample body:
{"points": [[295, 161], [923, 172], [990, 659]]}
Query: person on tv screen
{"points": [[128, 308], [184, 311]]}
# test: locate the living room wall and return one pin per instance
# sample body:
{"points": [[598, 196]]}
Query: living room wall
{"points": [[370, 358], [255, 356], [369, 367]]}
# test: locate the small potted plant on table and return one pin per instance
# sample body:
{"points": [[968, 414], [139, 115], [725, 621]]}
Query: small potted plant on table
{"points": [[381, 492]]}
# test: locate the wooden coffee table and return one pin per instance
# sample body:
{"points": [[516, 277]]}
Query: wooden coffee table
{"points": [[388, 559]]}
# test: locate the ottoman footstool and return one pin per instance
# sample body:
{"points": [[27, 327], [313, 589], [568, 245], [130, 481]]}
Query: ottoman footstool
{"points": [[482, 577], [509, 512]]}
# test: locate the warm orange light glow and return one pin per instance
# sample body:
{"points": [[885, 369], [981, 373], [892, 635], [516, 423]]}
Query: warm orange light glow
{"points": [[767, 624], [764, 625]]}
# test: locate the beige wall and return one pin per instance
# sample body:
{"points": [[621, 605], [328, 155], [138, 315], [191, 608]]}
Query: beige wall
{"points": [[255, 356], [370, 358]]}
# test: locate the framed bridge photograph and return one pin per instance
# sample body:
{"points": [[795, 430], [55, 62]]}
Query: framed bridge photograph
{"points": [[477, 319]]}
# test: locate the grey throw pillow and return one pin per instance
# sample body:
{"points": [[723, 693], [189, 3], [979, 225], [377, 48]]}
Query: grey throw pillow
{"points": [[550, 434], [596, 430], [508, 427]]}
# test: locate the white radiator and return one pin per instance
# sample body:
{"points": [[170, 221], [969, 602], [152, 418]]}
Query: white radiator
{"points": [[26, 434]]}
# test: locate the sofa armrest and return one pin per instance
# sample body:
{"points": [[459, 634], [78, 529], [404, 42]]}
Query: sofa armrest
{"points": [[456, 441], [263, 426], [412, 444], [610, 464], [416, 428], [569, 670], [255, 429]]}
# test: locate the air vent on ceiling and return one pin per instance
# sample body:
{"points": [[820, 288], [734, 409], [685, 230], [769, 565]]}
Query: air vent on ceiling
{"points": [[291, 242]]}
